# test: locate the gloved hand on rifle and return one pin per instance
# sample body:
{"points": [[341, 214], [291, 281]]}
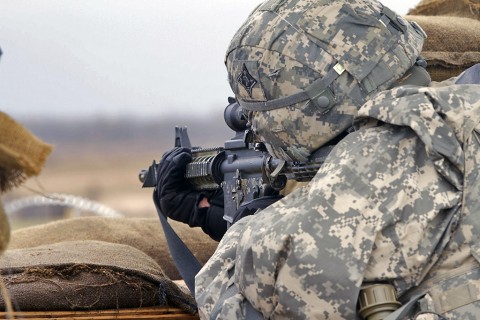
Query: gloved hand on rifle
{"points": [[181, 202]]}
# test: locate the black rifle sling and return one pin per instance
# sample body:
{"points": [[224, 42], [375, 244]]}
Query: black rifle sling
{"points": [[186, 263]]}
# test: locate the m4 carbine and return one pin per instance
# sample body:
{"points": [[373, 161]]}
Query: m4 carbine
{"points": [[243, 169]]}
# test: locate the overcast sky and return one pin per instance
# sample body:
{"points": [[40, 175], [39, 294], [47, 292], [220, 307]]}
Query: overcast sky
{"points": [[118, 58]]}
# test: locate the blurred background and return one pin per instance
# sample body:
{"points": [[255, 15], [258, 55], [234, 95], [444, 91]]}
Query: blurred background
{"points": [[106, 81]]}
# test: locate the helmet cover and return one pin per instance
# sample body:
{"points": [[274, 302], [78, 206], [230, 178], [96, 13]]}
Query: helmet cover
{"points": [[302, 68]]}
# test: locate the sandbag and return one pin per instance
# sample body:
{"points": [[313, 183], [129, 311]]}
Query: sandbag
{"points": [[452, 45], [457, 8], [144, 234], [22, 155], [87, 275], [4, 229]]}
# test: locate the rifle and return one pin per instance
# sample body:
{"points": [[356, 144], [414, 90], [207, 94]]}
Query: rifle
{"points": [[243, 169]]}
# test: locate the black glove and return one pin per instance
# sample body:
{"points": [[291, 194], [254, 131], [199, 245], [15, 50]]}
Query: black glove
{"points": [[179, 201], [211, 219]]}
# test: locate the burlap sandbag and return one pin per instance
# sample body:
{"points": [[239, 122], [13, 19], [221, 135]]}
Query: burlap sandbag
{"points": [[145, 234], [4, 229], [457, 8], [453, 44], [21, 156], [87, 275], [21, 153]]}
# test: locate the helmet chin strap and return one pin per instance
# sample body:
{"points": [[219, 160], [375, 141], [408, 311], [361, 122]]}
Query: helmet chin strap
{"points": [[417, 75]]}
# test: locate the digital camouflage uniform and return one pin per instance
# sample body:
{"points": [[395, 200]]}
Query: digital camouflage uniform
{"points": [[395, 201]]}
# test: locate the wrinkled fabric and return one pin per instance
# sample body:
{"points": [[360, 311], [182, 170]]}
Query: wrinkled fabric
{"points": [[395, 201]]}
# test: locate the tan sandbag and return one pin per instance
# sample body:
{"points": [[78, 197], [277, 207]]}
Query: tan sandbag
{"points": [[21, 155], [4, 229], [87, 275], [457, 8], [452, 45], [145, 234]]}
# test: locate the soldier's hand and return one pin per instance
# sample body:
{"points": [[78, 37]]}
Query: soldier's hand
{"points": [[177, 197], [181, 202]]}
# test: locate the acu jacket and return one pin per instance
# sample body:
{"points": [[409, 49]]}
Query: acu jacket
{"points": [[397, 201]]}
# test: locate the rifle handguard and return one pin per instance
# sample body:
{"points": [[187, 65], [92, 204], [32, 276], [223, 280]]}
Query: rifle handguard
{"points": [[204, 171]]}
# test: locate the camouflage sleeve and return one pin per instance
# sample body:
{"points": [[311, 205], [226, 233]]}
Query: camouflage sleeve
{"points": [[306, 256], [216, 276]]}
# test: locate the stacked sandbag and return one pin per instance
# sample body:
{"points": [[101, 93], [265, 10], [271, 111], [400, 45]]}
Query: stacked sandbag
{"points": [[144, 234], [453, 44], [87, 275], [4, 229], [453, 29], [457, 8], [22, 155]]}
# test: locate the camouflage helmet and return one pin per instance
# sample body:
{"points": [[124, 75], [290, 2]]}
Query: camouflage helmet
{"points": [[302, 68]]}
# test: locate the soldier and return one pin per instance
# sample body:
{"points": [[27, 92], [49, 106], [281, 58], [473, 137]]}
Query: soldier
{"points": [[396, 202]]}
